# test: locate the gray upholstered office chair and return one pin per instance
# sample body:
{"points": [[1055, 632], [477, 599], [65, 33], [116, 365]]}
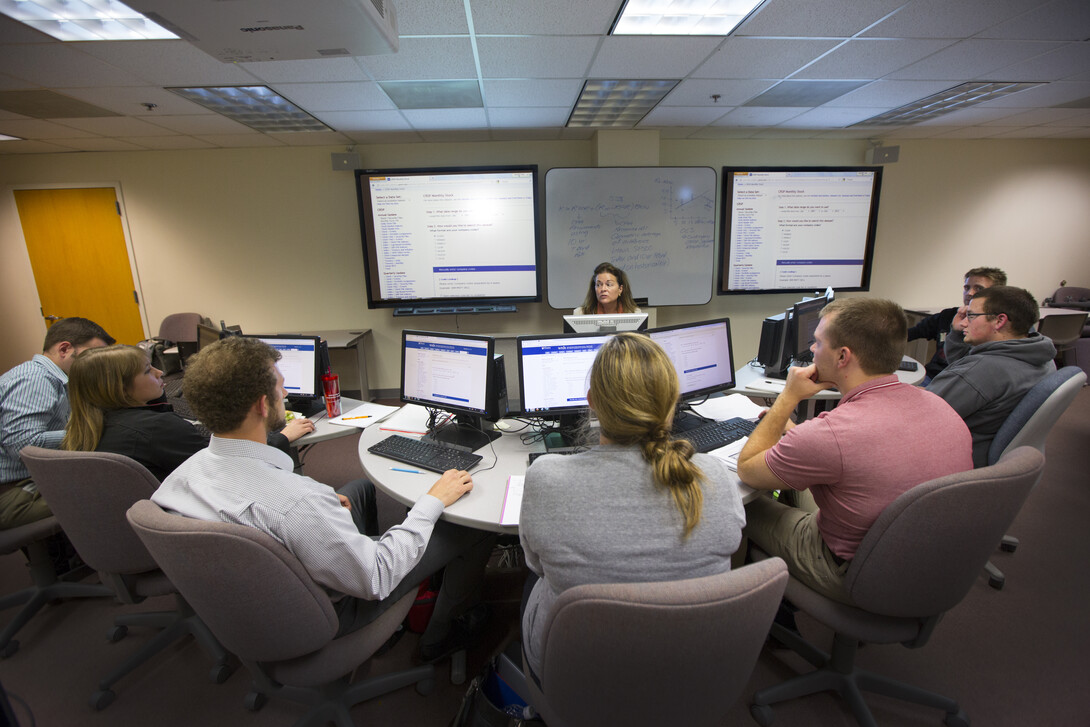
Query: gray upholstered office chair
{"points": [[261, 603], [46, 586], [917, 561], [1028, 424], [1064, 329], [89, 493], [677, 652]]}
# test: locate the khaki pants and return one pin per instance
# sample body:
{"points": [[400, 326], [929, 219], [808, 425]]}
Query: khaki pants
{"points": [[792, 534], [19, 507]]}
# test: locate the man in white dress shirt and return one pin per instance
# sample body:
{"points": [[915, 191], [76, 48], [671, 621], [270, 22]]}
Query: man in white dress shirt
{"points": [[236, 390]]}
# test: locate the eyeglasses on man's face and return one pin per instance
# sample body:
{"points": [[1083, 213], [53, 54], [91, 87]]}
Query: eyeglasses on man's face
{"points": [[971, 316]]}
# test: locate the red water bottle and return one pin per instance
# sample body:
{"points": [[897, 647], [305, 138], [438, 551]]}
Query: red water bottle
{"points": [[332, 388]]}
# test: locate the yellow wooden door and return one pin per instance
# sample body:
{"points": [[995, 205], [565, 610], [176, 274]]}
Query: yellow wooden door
{"points": [[80, 261]]}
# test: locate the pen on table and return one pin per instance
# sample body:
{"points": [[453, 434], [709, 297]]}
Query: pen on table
{"points": [[365, 416], [402, 469]]}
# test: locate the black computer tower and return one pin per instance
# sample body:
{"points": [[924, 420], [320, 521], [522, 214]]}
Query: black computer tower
{"points": [[499, 387]]}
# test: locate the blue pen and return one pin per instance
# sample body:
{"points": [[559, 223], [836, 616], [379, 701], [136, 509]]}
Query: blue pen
{"points": [[402, 469]]}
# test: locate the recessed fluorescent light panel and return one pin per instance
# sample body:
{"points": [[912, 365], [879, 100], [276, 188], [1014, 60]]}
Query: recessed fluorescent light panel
{"points": [[952, 99], [84, 19], [617, 104], [258, 107], [682, 17], [5, 137]]}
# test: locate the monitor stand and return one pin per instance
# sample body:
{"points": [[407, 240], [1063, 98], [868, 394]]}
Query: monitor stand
{"points": [[465, 433], [685, 419]]}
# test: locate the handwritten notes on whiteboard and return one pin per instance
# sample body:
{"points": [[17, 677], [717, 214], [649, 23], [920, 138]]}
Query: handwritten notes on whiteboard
{"points": [[655, 223]]}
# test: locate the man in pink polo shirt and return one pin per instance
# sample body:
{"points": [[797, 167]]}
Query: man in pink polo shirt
{"points": [[882, 439]]}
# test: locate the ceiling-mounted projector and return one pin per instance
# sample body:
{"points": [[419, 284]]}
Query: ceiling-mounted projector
{"points": [[245, 31]]}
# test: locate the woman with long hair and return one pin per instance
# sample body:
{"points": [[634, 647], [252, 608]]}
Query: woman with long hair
{"points": [[117, 404], [608, 293], [639, 506]]}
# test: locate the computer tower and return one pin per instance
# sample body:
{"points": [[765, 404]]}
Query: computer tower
{"points": [[772, 351], [499, 388]]}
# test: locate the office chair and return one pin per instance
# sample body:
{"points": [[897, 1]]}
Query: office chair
{"points": [[1029, 424], [262, 604], [916, 562], [676, 652], [1064, 329], [180, 329], [89, 493], [47, 587]]}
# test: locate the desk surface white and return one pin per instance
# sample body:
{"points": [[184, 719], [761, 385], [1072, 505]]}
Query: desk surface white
{"points": [[751, 381]]}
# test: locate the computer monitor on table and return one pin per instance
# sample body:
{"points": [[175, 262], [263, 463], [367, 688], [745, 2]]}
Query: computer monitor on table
{"points": [[786, 337], [206, 336], [605, 323], [301, 365], [804, 321], [453, 373], [702, 356], [554, 374]]}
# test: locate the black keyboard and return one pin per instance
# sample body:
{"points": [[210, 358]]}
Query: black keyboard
{"points": [[425, 455], [714, 435], [173, 387]]}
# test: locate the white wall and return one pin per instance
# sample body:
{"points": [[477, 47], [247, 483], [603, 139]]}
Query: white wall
{"points": [[269, 238]]}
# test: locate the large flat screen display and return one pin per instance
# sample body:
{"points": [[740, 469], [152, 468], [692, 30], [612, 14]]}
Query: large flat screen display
{"points": [[797, 229], [450, 236]]}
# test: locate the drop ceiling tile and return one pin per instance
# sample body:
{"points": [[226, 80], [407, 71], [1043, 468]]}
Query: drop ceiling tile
{"points": [[201, 124], [456, 136], [167, 62], [969, 132], [55, 65], [559, 17], [309, 138], [167, 143], [971, 59], [871, 58], [759, 116], [804, 93], [37, 129], [567, 57], [25, 146], [531, 92], [1080, 133], [117, 126], [1033, 117], [129, 100], [654, 57], [12, 31], [1026, 132], [683, 115], [385, 137], [890, 94], [229, 141], [700, 92], [762, 57], [314, 97], [98, 143], [808, 19], [827, 116], [1050, 94], [348, 122], [1059, 20], [550, 134], [314, 70], [945, 19], [431, 17], [424, 59], [1071, 59], [528, 117], [433, 119], [979, 114]]}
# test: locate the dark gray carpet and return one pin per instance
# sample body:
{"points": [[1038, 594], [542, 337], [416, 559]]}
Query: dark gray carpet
{"points": [[1012, 657]]}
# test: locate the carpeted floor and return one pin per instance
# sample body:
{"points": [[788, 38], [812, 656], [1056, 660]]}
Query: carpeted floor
{"points": [[1012, 657]]}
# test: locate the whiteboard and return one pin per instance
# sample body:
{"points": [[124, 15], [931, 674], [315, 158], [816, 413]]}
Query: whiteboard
{"points": [[655, 223]]}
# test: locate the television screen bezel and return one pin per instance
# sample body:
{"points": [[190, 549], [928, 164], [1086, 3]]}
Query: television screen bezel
{"points": [[367, 239], [726, 191]]}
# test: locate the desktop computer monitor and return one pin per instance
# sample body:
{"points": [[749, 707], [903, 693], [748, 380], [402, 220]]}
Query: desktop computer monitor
{"points": [[302, 367], [605, 323], [206, 335], [554, 373], [702, 356], [786, 337], [454, 373], [804, 321]]}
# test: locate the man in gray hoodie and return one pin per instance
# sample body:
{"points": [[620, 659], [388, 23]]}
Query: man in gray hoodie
{"points": [[993, 360]]}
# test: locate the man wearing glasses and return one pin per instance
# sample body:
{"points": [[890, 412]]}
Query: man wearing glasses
{"points": [[993, 359]]}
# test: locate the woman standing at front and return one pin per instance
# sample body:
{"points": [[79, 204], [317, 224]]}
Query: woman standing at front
{"points": [[639, 507]]}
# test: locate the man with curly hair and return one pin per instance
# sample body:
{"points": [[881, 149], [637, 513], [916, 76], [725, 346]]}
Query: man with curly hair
{"points": [[236, 390]]}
